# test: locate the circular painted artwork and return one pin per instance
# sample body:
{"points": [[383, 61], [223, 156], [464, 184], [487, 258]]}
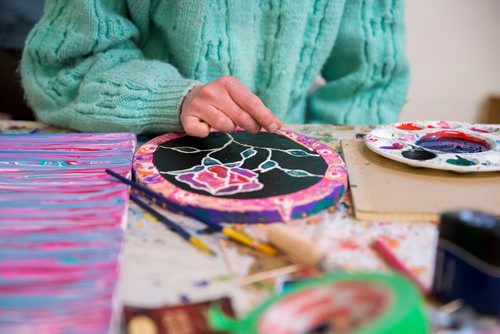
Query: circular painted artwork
{"points": [[456, 146], [240, 177]]}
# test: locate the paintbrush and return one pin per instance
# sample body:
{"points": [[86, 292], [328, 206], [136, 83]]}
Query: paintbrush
{"points": [[230, 232], [393, 262], [173, 226], [301, 250], [296, 248]]}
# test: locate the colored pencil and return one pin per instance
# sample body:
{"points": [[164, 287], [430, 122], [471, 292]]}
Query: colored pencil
{"points": [[396, 264], [173, 226], [230, 232], [225, 256], [265, 275]]}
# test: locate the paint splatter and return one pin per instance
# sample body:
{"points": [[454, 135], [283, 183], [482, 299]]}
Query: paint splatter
{"points": [[201, 283], [390, 242], [60, 230], [184, 298], [349, 244]]}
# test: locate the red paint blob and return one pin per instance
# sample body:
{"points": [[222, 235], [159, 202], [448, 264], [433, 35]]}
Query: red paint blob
{"points": [[479, 130], [453, 134], [409, 126]]}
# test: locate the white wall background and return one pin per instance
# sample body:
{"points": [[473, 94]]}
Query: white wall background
{"points": [[454, 52]]}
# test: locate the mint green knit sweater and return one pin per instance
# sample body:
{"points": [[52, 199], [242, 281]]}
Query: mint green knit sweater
{"points": [[126, 65]]}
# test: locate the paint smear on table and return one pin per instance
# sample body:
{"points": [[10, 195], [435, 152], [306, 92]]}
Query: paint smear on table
{"points": [[61, 230]]}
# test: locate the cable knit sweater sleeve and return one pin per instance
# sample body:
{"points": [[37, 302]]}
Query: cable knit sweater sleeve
{"points": [[367, 72], [82, 69]]}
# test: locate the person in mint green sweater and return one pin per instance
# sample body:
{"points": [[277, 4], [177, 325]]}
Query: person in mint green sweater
{"points": [[151, 66]]}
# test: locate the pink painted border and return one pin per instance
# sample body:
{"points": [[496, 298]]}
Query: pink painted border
{"points": [[335, 178]]}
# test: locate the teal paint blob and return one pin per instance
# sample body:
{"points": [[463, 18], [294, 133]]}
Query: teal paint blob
{"points": [[459, 161]]}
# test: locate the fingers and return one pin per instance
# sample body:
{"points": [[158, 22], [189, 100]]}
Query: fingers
{"points": [[216, 119], [239, 116], [195, 127], [250, 104], [224, 104], [199, 121]]}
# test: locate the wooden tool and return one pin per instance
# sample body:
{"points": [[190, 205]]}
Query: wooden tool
{"points": [[297, 248]]}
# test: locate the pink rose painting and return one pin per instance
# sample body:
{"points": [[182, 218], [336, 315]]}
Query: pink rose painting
{"points": [[221, 179], [218, 178]]}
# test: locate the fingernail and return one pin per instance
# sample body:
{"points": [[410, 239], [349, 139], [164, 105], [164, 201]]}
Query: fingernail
{"points": [[273, 127]]}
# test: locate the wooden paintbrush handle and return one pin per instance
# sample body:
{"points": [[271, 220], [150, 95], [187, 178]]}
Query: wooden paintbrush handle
{"points": [[298, 249]]}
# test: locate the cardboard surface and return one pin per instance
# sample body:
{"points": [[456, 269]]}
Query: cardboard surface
{"points": [[492, 112], [385, 189]]}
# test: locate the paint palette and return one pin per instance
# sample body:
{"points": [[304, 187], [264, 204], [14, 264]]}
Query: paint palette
{"points": [[456, 146], [243, 178]]}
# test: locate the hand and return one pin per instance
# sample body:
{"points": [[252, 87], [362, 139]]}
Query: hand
{"points": [[224, 104]]}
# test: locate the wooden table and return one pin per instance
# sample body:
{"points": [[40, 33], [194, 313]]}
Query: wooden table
{"points": [[159, 268]]}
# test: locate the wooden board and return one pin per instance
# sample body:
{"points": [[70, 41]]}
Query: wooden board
{"points": [[385, 189]]}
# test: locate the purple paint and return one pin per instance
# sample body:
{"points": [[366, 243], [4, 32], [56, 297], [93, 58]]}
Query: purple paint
{"points": [[260, 216], [450, 141], [394, 146]]}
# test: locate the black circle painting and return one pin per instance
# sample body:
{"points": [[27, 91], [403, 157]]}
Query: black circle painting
{"points": [[242, 177]]}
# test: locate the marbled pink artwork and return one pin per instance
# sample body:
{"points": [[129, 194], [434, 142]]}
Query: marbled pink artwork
{"points": [[61, 230]]}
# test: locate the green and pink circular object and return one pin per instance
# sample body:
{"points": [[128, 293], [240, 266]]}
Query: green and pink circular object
{"points": [[368, 303]]}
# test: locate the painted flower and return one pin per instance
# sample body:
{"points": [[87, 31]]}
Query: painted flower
{"points": [[220, 179]]}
